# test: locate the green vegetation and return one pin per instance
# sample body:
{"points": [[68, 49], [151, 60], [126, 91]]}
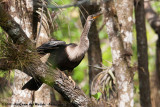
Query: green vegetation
{"points": [[69, 29], [97, 95]]}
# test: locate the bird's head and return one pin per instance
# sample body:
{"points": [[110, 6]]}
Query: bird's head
{"points": [[94, 16]]}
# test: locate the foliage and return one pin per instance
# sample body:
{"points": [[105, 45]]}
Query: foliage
{"points": [[156, 6], [18, 54], [97, 95], [69, 29]]}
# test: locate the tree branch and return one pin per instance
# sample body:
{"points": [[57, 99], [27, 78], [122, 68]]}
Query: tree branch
{"points": [[12, 28], [36, 68]]}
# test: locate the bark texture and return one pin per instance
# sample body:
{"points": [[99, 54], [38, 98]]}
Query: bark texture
{"points": [[21, 12], [24, 13], [94, 51], [123, 72], [142, 46], [37, 69], [21, 96], [124, 12]]}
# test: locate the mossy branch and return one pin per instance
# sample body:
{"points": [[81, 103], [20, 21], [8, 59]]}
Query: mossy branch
{"points": [[34, 67]]}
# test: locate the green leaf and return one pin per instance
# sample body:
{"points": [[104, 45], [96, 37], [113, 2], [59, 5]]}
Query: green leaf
{"points": [[3, 73], [97, 95]]}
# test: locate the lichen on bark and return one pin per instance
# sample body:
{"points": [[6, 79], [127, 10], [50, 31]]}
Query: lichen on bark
{"points": [[122, 69]]}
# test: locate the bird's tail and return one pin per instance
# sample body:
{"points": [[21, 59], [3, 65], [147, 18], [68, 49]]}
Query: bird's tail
{"points": [[32, 85]]}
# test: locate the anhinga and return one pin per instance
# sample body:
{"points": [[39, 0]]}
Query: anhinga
{"points": [[64, 56]]}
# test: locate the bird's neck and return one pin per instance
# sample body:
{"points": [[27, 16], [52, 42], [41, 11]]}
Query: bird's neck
{"points": [[84, 41], [79, 51]]}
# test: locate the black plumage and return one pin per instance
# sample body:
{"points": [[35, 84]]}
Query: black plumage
{"points": [[32, 84], [58, 59], [58, 48]]}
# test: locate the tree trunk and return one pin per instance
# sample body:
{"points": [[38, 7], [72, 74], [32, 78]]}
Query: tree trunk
{"points": [[19, 9], [154, 21], [123, 71], [94, 51], [19, 95], [22, 12], [142, 46], [125, 17], [35, 67]]}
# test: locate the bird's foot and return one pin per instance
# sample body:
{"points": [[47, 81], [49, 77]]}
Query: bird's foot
{"points": [[74, 84]]}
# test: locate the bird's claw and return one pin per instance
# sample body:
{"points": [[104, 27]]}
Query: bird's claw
{"points": [[74, 84]]}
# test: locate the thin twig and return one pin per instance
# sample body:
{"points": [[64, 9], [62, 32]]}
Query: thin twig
{"points": [[99, 67]]}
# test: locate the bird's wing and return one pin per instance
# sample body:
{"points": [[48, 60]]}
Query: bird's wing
{"points": [[49, 46]]}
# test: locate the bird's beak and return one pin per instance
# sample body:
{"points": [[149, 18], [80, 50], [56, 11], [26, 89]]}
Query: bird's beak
{"points": [[94, 16]]}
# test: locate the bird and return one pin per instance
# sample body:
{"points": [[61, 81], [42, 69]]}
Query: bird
{"points": [[64, 56]]}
